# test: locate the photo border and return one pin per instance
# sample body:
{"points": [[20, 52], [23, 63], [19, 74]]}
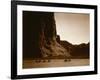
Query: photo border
{"points": [[14, 4]]}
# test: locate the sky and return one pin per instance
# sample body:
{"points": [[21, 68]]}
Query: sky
{"points": [[73, 27]]}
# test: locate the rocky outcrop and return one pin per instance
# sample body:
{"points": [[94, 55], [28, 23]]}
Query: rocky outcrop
{"points": [[81, 50], [39, 36], [77, 51]]}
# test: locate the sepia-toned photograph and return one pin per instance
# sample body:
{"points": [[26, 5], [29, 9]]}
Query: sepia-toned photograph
{"points": [[55, 39], [52, 39]]}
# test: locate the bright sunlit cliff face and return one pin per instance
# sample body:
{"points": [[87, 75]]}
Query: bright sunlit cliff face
{"points": [[72, 27]]}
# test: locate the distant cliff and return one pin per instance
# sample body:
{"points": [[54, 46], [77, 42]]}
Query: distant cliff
{"points": [[80, 51], [76, 51]]}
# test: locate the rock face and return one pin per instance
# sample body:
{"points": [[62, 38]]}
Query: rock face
{"points": [[39, 36], [77, 51], [80, 51]]}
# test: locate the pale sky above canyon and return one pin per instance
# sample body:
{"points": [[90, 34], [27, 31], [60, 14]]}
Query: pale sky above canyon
{"points": [[74, 28]]}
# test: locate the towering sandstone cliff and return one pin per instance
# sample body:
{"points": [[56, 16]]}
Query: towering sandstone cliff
{"points": [[40, 37]]}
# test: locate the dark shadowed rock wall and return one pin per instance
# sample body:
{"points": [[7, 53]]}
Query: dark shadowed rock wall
{"points": [[39, 36]]}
